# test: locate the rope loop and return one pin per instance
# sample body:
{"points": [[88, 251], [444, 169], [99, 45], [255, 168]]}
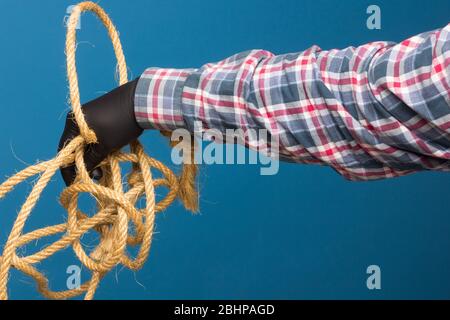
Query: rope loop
{"points": [[71, 40]]}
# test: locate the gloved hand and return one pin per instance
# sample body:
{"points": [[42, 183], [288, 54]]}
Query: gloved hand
{"points": [[112, 118]]}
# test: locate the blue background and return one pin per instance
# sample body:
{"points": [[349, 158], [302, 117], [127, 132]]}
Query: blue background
{"points": [[303, 233]]}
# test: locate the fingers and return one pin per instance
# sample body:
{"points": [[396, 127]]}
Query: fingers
{"points": [[68, 174], [93, 155]]}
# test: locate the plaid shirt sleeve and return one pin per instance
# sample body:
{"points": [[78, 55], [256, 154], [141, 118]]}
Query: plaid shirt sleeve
{"points": [[375, 111]]}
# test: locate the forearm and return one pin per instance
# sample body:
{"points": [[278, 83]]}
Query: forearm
{"points": [[375, 111]]}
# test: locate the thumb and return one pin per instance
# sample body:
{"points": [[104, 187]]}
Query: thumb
{"points": [[93, 156]]}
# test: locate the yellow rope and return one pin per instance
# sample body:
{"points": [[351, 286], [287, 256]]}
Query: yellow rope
{"points": [[116, 205]]}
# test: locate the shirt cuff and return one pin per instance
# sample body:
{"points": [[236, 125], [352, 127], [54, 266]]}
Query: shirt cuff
{"points": [[157, 101]]}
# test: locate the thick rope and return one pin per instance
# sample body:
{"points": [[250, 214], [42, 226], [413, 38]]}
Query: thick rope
{"points": [[116, 202]]}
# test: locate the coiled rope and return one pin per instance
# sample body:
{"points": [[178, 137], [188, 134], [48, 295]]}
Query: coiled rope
{"points": [[118, 221]]}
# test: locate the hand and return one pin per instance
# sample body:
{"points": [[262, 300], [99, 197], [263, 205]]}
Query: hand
{"points": [[112, 118]]}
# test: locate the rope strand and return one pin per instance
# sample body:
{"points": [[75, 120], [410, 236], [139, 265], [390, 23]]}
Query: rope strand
{"points": [[116, 204]]}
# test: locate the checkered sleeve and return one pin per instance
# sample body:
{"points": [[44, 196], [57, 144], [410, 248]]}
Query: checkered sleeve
{"points": [[157, 102], [375, 111]]}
